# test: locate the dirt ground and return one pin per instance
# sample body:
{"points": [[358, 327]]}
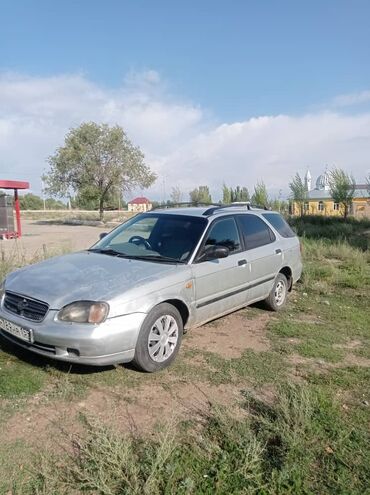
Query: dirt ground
{"points": [[56, 237], [163, 397]]}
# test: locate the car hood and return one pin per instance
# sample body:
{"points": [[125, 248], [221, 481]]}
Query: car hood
{"points": [[88, 276]]}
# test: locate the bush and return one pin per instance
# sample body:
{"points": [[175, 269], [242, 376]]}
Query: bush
{"points": [[299, 444], [351, 230]]}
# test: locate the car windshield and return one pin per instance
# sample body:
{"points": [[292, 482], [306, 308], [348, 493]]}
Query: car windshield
{"points": [[154, 237]]}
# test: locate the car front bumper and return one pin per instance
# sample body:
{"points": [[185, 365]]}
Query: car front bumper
{"points": [[111, 342]]}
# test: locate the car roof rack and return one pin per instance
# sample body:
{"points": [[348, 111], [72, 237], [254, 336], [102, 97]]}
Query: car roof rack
{"points": [[188, 204], [247, 205]]}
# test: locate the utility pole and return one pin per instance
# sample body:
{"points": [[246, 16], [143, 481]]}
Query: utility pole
{"points": [[164, 188]]}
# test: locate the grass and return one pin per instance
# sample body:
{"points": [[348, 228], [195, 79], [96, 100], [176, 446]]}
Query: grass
{"points": [[352, 231], [301, 444], [311, 436]]}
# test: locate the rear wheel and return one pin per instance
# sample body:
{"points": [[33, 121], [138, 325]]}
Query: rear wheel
{"points": [[278, 295], [159, 338]]}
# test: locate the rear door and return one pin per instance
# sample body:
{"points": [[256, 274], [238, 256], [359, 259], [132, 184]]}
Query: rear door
{"points": [[219, 283], [263, 254]]}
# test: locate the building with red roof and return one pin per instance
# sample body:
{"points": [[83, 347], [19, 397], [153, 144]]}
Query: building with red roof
{"points": [[139, 204]]}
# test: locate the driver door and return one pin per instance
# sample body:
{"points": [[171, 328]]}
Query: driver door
{"points": [[218, 282]]}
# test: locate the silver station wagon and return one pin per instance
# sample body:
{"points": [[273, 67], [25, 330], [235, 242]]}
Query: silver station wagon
{"points": [[131, 296]]}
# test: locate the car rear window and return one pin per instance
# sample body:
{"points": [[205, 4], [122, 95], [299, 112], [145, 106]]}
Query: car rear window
{"points": [[278, 222]]}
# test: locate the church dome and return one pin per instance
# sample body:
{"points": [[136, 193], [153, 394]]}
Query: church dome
{"points": [[322, 182]]}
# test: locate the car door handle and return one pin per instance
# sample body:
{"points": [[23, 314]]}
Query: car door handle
{"points": [[278, 251], [242, 262]]}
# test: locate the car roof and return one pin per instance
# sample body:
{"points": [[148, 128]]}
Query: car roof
{"points": [[211, 211]]}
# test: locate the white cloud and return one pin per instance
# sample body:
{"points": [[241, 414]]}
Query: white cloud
{"points": [[180, 142], [351, 99]]}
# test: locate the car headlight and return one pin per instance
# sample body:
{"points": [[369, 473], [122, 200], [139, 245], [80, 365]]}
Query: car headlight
{"points": [[84, 312]]}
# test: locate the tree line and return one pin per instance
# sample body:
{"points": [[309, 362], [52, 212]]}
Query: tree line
{"points": [[238, 194], [97, 164]]}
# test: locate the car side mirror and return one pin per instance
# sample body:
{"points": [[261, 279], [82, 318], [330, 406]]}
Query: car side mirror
{"points": [[102, 235], [215, 253]]}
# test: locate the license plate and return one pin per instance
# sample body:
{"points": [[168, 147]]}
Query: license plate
{"points": [[16, 330]]}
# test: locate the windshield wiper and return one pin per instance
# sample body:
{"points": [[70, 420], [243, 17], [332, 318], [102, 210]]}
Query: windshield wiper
{"points": [[110, 252], [165, 259], [113, 252]]}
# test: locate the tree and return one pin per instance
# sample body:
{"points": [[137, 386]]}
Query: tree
{"points": [[240, 194], [95, 161], [30, 201], [299, 192], [226, 194], [342, 188], [237, 195], [176, 195], [260, 196], [54, 204], [200, 195], [88, 199]]}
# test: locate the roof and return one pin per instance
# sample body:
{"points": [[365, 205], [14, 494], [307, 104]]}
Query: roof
{"points": [[14, 184], [139, 201], [360, 192], [194, 212], [199, 211]]}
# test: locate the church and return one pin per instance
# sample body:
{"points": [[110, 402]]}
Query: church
{"points": [[320, 202]]}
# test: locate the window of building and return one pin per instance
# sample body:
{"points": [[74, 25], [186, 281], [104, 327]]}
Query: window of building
{"points": [[336, 206], [306, 206], [321, 206], [255, 231]]}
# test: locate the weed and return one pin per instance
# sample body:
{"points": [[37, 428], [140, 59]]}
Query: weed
{"points": [[299, 444]]}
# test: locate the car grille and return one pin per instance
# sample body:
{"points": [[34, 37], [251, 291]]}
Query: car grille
{"points": [[23, 306]]}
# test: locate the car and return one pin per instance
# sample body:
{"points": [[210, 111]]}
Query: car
{"points": [[133, 294]]}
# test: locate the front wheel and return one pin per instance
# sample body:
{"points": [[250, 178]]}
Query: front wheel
{"points": [[159, 338], [278, 295]]}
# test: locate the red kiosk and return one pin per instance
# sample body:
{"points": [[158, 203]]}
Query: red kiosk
{"points": [[7, 228]]}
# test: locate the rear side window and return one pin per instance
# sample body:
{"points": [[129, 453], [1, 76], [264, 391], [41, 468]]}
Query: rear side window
{"points": [[278, 222], [255, 231]]}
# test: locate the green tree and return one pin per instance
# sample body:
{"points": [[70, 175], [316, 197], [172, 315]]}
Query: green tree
{"points": [[299, 192], [95, 161], [30, 201], [88, 199], [276, 204], [226, 194], [176, 195], [240, 194], [260, 196], [342, 188], [54, 204], [200, 195]]}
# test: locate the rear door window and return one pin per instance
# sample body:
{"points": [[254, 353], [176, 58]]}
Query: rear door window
{"points": [[278, 222], [255, 231]]}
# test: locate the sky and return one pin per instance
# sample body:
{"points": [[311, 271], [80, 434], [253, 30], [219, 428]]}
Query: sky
{"points": [[212, 91]]}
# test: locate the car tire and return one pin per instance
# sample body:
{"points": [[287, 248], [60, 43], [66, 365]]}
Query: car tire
{"points": [[279, 293], [159, 339]]}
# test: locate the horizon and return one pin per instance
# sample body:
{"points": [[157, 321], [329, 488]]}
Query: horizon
{"points": [[211, 93]]}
